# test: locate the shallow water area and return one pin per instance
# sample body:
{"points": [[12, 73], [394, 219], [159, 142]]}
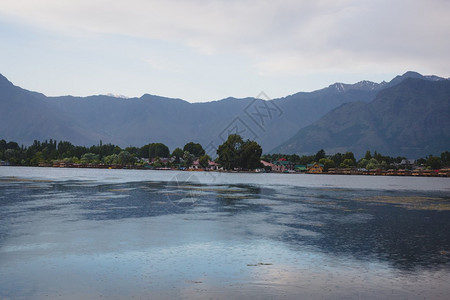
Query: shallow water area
{"points": [[89, 234]]}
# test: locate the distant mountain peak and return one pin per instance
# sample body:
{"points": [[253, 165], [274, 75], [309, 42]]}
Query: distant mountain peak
{"points": [[410, 118], [413, 74], [117, 96], [361, 85]]}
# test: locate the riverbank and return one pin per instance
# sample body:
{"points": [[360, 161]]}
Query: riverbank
{"points": [[333, 171]]}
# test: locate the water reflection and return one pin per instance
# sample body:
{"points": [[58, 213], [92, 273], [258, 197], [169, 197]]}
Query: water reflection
{"points": [[182, 219]]}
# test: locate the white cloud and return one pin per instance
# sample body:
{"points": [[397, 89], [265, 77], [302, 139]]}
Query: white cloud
{"points": [[277, 38]]}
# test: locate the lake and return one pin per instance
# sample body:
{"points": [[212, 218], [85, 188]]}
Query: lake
{"points": [[116, 234]]}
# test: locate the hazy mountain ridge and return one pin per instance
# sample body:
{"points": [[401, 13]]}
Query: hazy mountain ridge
{"points": [[26, 116], [411, 118]]}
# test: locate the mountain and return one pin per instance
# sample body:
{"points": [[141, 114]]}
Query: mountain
{"points": [[411, 117], [336, 113], [25, 116]]}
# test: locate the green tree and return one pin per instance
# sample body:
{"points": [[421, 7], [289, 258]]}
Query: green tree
{"points": [[158, 149], [188, 158], [195, 149], [89, 158], [373, 164], [132, 150], [363, 162], [71, 160], [434, 162], [112, 159], [368, 155], [319, 155], [3, 145], [177, 154], [351, 156], [37, 158], [204, 161], [445, 158], [337, 158], [229, 153], [125, 158], [250, 155], [327, 164], [65, 149], [347, 163], [157, 162]]}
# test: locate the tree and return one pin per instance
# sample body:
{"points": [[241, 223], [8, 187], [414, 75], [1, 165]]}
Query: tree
{"points": [[177, 153], [229, 153], [125, 158], [250, 155], [143, 151], [445, 158], [157, 163], [337, 158], [319, 155], [368, 155], [204, 161], [65, 149], [3, 145], [351, 156], [373, 164], [132, 150], [327, 164], [195, 149], [363, 162], [112, 159], [188, 158], [89, 158], [158, 149], [37, 158], [434, 162], [347, 163]]}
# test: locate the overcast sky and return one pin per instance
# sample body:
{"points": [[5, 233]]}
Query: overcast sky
{"points": [[208, 50]]}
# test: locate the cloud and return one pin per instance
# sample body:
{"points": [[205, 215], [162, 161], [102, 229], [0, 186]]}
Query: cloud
{"points": [[281, 37]]}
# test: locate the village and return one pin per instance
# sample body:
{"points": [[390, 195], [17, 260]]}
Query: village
{"points": [[247, 157], [405, 168]]}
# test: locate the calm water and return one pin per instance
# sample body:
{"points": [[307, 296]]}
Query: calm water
{"points": [[115, 234]]}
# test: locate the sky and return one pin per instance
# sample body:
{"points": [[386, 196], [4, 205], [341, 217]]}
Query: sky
{"points": [[209, 50]]}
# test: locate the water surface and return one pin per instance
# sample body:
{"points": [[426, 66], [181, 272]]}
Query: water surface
{"points": [[77, 233]]}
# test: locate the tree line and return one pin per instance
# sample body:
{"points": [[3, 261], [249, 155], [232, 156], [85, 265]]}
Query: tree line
{"points": [[369, 161], [234, 153]]}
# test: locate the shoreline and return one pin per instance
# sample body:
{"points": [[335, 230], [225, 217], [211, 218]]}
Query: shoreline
{"points": [[397, 173]]}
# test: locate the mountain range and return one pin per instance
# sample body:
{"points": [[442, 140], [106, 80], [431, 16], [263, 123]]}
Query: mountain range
{"points": [[407, 116]]}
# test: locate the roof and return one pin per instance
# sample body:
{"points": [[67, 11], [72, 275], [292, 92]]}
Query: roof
{"points": [[312, 165], [300, 167], [266, 164]]}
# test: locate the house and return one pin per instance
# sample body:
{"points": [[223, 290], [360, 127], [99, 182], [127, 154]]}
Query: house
{"points": [[195, 165], [268, 167], [282, 165], [212, 166], [300, 168], [408, 162], [315, 168]]}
